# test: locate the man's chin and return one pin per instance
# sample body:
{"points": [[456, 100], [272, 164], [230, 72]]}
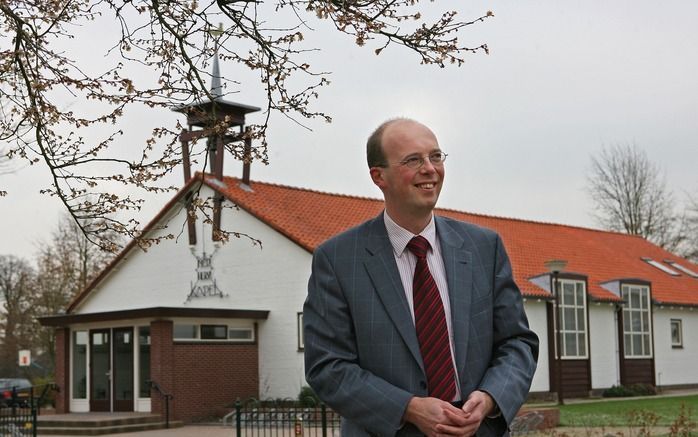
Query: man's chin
{"points": [[429, 199], [426, 206]]}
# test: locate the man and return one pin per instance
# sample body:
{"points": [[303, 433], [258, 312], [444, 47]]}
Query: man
{"points": [[413, 323]]}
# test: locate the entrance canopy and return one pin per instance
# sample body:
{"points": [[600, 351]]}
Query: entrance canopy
{"points": [[154, 312]]}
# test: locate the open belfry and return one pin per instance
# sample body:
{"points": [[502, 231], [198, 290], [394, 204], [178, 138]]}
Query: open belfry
{"points": [[222, 123]]}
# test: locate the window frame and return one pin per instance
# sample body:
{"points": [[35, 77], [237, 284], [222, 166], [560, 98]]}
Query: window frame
{"points": [[205, 329], [251, 338], [578, 332], [682, 268], [678, 344], [74, 381], [627, 291], [199, 327], [144, 347], [301, 339], [658, 265], [174, 332]]}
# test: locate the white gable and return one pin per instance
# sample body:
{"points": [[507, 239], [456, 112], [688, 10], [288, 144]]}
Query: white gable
{"points": [[250, 277], [273, 278]]}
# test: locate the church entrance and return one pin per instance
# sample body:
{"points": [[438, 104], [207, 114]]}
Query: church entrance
{"points": [[111, 369]]}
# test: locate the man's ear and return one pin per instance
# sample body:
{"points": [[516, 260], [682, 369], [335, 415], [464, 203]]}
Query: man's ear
{"points": [[377, 176]]}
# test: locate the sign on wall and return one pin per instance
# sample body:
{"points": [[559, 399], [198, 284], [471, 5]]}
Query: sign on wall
{"points": [[25, 357], [205, 284]]}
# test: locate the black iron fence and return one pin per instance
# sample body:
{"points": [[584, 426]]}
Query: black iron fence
{"points": [[283, 419], [19, 408], [17, 420], [17, 412]]}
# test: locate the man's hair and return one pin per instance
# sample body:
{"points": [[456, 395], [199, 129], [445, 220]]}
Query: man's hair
{"points": [[374, 145]]}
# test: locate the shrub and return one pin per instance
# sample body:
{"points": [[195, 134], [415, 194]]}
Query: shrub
{"points": [[643, 390], [307, 398], [618, 391]]}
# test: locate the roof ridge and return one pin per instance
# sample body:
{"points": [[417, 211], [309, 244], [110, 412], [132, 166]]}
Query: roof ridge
{"points": [[539, 222], [309, 190], [459, 211]]}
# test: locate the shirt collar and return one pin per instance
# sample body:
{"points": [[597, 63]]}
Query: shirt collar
{"points": [[400, 237]]}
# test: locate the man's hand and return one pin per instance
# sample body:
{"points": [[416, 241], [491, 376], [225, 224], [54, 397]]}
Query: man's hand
{"points": [[435, 417], [478, 406]]}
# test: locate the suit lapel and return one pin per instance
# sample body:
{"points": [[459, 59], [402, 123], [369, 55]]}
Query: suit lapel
{"points": [[459, 274], [382, 269]]}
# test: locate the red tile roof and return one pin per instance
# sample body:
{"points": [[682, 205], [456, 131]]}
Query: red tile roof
{"points": [[310, 217]]}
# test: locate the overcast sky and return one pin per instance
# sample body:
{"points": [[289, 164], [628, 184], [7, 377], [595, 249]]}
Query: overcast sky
{"points": [[562, 80]]}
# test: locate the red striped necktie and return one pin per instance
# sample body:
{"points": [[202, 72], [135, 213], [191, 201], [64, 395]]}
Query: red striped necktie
{"points": [[430, 323]]}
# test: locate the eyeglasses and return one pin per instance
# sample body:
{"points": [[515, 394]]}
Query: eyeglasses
{"points": [[416, 162]]}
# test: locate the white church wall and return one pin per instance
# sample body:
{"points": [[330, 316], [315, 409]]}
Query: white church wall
{"points": [[537, 320], [675, 365], [603, 345]]}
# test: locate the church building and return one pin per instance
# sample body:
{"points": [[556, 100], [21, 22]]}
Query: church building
{"points": [[205, 322]]}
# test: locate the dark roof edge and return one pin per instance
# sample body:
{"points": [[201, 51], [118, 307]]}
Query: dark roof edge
{"points": [[614, 299], [674, 304], [629, 281], [154, 312], [133, 243]]}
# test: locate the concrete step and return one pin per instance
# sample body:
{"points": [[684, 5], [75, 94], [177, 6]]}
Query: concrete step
{"points": [[88, 422], [100, 429]]}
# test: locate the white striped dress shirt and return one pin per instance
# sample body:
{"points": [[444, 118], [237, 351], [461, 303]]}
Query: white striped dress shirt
{"points": [[406, 264]]}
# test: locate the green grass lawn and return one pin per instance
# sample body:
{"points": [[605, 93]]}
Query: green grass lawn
{"points": [[619, 412]]}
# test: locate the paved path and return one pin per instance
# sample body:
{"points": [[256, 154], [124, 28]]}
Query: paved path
{"points": [[206, 431], [219, 431], [185, 431]]}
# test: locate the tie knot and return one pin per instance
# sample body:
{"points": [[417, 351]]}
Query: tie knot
{"points": [[419, 246]]}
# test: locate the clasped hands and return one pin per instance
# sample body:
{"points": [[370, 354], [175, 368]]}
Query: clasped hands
{"points": [[435, 417]]}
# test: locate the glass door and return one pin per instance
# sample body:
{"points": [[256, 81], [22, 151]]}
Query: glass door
{"points": [[100, 370], [123, 369]]}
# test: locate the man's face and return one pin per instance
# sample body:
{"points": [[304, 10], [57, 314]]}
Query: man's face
{"points": [[409, 193]]}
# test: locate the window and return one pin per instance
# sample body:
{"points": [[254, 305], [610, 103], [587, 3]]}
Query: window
{"points": [[144, 361], [185, 332], [80, 365], [676, 333], [661, 266], [301, 341], [214, 332], [242, 334], [678, 266], [636, 321], [572, 308]]}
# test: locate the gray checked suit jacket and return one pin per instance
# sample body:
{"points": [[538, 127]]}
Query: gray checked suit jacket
{"points": [[361, 351]]}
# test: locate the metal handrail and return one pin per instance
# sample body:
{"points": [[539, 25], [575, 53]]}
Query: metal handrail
{"points": [[228, 416], [48, 386], [167, 396]]}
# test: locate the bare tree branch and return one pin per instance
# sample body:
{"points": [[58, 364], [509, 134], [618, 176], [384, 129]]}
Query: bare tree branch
{"points": [[173, 42], [631, 196]]}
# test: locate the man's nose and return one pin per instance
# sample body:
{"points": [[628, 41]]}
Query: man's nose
{"points": [[427, 167]]}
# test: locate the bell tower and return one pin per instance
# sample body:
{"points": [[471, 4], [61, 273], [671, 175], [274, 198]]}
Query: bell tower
{"points": [[221, 122]]}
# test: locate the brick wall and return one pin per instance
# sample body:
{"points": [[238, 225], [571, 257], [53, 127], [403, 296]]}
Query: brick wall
{"points": [[62, 376], [161, 363], [204, 378], [209, 377]]}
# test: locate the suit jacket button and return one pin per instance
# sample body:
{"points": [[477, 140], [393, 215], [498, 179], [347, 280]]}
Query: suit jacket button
{"points": [[423, 384]]}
